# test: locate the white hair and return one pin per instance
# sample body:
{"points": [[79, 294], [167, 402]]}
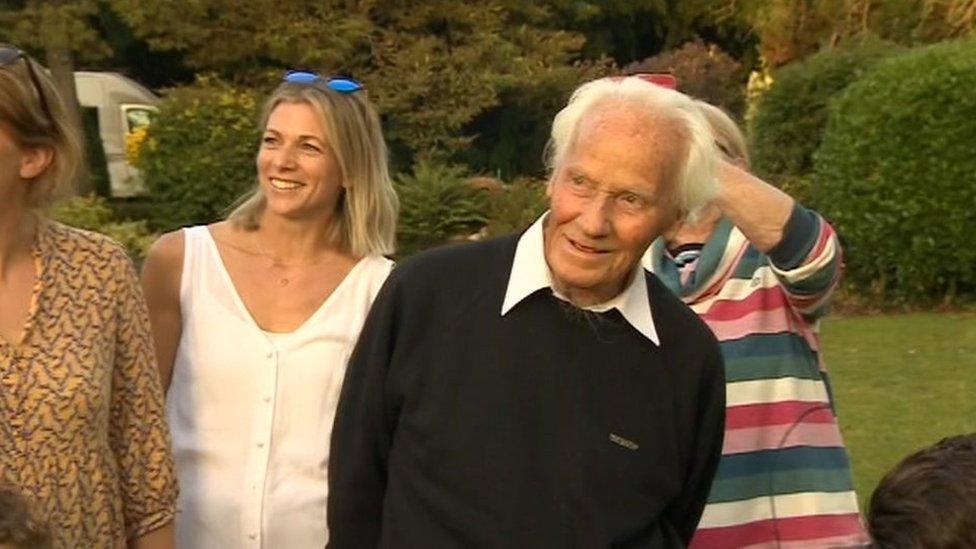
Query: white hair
{"points": [[695, 185]]}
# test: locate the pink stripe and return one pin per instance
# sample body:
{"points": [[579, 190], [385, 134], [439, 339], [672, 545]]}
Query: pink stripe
{"points": [[819, 435], [807, 303], [733, 309], [723, 278], [778, 413], [813, 531], [823, 239], [757, 322]]}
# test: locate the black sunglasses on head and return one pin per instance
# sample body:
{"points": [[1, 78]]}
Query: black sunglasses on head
{"points": [[10, 55]]}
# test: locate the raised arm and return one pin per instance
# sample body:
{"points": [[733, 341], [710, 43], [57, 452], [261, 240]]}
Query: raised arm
{"points": [[161, 275], [803, 249], [757, 208]]}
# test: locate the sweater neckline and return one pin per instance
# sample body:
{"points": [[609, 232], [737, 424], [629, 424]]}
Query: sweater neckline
{"points": [[666, 269]]}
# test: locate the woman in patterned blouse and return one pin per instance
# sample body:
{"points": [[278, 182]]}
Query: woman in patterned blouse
{"points": [[82, 428]]}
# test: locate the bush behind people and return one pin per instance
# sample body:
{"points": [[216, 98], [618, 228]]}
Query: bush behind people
{"points": [[437, 205], [896, 173], [198, 157], [790, 117]]}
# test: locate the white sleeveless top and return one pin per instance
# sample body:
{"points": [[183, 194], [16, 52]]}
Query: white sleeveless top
{"points": [[251, 412]]}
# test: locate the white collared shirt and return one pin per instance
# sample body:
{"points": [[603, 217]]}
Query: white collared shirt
{"points": [[531, 273]]}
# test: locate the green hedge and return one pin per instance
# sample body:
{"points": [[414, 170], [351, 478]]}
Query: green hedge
{"points": [[437, 205], [897, 174], [515, 206], [789, 121], [93, 213], [198, 157]]}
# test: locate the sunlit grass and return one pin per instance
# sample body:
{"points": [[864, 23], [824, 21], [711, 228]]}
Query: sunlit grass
{"points": [[901, 382]]}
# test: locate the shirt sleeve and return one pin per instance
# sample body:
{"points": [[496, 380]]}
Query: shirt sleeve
{"points": [[808, 262], [706, 446], [363, 431], [138, 434]]}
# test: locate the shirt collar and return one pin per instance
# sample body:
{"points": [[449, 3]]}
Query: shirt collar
{"points": [[530, 273]]}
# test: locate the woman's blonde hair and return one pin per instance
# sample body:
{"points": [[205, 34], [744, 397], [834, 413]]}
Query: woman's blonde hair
{"points": [[728, 136], [23, 97], [367, 210]]}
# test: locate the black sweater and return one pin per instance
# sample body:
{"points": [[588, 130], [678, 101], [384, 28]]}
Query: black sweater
{"points": [[548, 427]]}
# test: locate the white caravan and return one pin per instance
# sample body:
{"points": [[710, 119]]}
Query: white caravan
{"points": [[123, 105]]}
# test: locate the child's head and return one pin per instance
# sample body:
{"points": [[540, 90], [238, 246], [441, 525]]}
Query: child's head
{"points": [[19, 529], [929, 499]]}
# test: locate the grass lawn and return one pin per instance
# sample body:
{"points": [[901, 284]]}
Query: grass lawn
{"points": [[901, 382]]}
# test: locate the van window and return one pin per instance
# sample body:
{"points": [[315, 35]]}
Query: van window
{"points": [[137, 117]]}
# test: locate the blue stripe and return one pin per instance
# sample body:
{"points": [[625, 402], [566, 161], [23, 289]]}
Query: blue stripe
{"points": [[766, 461]]}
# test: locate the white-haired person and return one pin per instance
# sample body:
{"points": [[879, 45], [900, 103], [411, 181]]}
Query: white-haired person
{"points": [[759, 269], [255, 317], [541, 389], [83, 432]]}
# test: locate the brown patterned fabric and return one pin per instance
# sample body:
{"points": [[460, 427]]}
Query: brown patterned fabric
{"points": [[82, 421]]}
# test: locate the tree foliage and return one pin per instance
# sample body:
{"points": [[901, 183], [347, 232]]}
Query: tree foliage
{"points": [[703, 71], [234, 36], [198, 155], [790, 117], [93, 213], [437, 205], [514, 206], [897, 174], [431, 66], [42, 25], [630, 30], [793, 29]]}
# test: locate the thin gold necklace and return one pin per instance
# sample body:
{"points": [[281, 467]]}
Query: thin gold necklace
{"points": [[276, 265]]}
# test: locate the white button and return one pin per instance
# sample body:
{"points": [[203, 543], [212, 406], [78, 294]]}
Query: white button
{"points": [[253, 536], [269, 354], [267, 399], [260, 445]]}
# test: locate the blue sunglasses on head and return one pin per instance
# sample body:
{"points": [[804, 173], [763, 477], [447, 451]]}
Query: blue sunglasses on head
{"points": [[342, 85]]}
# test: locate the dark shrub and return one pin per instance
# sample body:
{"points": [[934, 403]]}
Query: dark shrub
{"points": [[897, 173], [790, 117], [703, 71], [437, 205], [198, 157]]}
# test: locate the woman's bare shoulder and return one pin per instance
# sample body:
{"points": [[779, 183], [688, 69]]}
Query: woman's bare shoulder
{"points": [[165, 257]]}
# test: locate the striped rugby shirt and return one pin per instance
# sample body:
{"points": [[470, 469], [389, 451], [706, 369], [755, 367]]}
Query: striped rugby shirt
{"points": [[784, 479]]}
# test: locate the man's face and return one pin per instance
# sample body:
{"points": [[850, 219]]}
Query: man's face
{"points": [[610, 197]]}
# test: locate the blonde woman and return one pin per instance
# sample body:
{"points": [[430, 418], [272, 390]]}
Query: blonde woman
{"points": [[82, 426], [255, 317]]}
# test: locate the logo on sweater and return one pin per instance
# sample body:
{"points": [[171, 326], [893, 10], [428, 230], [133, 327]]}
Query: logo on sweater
{"points": [[621, 441]]}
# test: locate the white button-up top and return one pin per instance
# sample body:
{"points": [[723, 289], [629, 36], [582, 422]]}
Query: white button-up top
{"points": [[251, 412]]}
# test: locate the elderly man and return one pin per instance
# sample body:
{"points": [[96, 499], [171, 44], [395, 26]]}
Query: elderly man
{"points": [[543, 390]]}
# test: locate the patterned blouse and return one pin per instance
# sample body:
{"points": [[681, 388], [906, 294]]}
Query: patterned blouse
{"points": [[82, 421]]}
